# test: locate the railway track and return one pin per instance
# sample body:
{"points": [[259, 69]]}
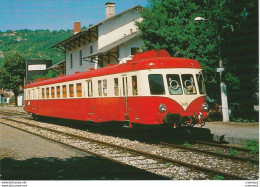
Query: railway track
{"points": [[151, 158], [224, 152]]}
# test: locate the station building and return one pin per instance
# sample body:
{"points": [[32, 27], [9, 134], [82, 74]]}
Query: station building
{"points": [[112, 41]]}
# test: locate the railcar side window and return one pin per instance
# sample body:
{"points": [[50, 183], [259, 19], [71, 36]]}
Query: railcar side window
{"points": [[90, 90], [134, 85], [52, 92], [47, 92], [116, 89], [188, 84], [99, 88], [71, 90], [58, 91], [43, 93], [64, 91], [156, 84], [79, 90], [174, 84], [201, 84], [105, 87]]}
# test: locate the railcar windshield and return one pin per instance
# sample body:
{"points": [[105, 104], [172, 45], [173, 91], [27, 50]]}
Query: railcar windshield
{"points": [[174, 84], [188, 84], [201, 84], [156, 84]]}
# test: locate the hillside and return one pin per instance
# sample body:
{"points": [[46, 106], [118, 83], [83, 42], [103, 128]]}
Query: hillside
{"points": [[33, 45]]}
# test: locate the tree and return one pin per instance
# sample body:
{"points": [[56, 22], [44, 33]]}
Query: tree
{"points": [[12, 73], [170, 25]]}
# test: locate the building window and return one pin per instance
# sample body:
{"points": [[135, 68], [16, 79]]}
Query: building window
{"points": [[80, 58], [71, 89], [134, 85], [71, 61], [79, 90], [91, 51], [116, 86], [58, 91], [64, 91], [134, 50]]}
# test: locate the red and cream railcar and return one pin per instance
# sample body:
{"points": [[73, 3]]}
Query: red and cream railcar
{"points": [[153, 89]]}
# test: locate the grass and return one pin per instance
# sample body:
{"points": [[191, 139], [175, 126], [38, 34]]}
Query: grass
{"points": [[253, 145], [218, 177], [233, 152], [186, 144]]}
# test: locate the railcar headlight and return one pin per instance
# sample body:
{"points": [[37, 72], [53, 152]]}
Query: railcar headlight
{"points": [[162, 108], [205, 107]]}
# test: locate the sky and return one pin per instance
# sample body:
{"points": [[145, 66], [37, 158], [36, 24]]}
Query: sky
{"points": [[56, 14]]}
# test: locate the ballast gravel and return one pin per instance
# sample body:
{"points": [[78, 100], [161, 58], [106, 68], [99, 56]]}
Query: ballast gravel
{"points": [[241, 169]]}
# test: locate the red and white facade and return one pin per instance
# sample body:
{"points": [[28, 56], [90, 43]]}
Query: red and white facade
{"points": [[139, 92]]}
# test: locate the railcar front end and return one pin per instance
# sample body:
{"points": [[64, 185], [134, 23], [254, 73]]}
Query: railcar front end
{"points": [[174, 96]]}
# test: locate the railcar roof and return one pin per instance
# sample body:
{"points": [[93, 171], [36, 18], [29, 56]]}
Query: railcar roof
{"points": [[132, 65]]}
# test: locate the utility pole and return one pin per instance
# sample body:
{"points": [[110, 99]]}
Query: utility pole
{"points": [[223, 88]]}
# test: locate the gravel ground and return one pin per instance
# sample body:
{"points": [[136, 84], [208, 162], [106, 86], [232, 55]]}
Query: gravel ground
{"points": [[24, 146], [28, 157], [241, 169]]}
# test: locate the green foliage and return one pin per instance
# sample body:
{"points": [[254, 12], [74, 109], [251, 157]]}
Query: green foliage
{"points": [[12, 100], [241, 120], [168, 164], [34, 45], [220, 151], [52, 73], [170, 25], [12, 72], [186, 144], [233, 152], [253, 145], [218, 177]]}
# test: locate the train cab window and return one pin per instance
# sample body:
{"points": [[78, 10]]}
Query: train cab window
{"points": [[47, 92], [156, 84], [58, 91], [90, 89], [43, 93], [201, 84], [174, 84], [134, 85], [188, 84], [71, 90], [99, 88], [79, 90], [116, 88], [52, 92], [105, 87], [64, 91]]}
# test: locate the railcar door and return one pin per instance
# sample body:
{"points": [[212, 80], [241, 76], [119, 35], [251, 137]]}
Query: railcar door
{"points": [[90, 99], [124, 97]]}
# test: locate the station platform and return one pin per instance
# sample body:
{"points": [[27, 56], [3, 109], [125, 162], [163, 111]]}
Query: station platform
{"points": [[231, 132]]}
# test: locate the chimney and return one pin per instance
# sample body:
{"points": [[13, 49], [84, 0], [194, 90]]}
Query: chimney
{"points": [[77, 27], [110, 9]]}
